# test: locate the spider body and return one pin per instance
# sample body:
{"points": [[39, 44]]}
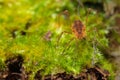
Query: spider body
{"points": [[78, 29]]}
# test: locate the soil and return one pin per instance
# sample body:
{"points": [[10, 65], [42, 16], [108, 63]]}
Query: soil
{"points": [[90, 74], [15, 71]]}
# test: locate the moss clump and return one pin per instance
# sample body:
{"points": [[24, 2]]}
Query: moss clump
{"points": [[46, 16]]}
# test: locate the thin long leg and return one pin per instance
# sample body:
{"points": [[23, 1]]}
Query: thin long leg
{"points": [[67, 45], [59, 37], [80, 4], [77, 47], [87, 14], [58, 20]]}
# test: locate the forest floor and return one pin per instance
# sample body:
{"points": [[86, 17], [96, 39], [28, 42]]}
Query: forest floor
{"points": [[15, 71]]}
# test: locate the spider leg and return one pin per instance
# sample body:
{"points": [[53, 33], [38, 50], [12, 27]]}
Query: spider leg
{"points": [[67, 45], [59, 37], [77, 46]]}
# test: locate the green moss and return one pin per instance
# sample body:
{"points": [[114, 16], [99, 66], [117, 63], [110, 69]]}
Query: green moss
{"points": [[45, 15]]}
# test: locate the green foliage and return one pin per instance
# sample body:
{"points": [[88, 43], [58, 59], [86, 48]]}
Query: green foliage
{"points": [[44, 16]]}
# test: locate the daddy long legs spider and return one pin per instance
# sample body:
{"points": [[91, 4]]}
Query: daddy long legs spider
{"points": [[78, 29]]}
